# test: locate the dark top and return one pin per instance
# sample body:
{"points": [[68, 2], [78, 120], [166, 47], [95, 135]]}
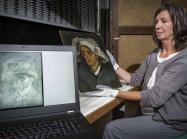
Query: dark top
{"points": [[88, 80]]}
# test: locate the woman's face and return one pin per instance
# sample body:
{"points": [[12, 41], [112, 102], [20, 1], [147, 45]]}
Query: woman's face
{"points": [[90, 58], [164, 26]]}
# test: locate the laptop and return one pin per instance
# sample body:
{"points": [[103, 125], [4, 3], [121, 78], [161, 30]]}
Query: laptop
{"points": [[39, 93]]}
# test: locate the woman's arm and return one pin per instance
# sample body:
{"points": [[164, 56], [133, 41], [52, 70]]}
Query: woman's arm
{"points": [[123, 74], [129, 95], [135, 79]]}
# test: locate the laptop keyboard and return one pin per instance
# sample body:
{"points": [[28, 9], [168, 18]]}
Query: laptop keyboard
{"points": [[42, 129]]}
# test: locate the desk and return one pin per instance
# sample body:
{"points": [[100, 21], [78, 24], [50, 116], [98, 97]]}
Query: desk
{"points": [[94, 108]]}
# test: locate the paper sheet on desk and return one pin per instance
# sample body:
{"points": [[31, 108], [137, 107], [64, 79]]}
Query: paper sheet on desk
{"points": [[91, 94], [97, 94], [90, 104], [124, 87]]}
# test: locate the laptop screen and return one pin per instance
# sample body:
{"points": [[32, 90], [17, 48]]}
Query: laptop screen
{"points": [[36, 77]]}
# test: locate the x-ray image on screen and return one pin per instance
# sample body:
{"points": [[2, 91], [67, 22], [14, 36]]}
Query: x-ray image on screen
{"points": [[20, 79]]}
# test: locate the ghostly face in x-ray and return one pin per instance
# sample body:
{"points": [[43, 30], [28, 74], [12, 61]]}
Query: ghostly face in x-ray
{"points": [[19, 73], [20, 80]]}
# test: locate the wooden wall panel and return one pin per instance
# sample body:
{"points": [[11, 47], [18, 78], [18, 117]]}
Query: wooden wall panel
{"points": [[137, 12], [133, 49], [180, 2]]}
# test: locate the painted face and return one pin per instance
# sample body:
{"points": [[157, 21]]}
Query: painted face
{"points": [[164, 26], [90, 58]]}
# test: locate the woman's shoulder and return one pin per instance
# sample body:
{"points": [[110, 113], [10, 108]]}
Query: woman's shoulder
{"points": [[184, 52], [152, 55], [179, 59], [182, 55]]}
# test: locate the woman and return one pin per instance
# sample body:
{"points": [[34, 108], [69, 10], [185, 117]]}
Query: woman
{"points": [[164, 83], [95, 67]]}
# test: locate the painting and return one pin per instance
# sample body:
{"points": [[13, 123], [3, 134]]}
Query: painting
{"points": [[94, 66]]}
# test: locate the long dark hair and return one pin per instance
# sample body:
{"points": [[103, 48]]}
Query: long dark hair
{"points": [[179, 19]]}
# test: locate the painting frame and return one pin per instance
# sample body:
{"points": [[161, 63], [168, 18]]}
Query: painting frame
{"points": [[88, 45]]}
